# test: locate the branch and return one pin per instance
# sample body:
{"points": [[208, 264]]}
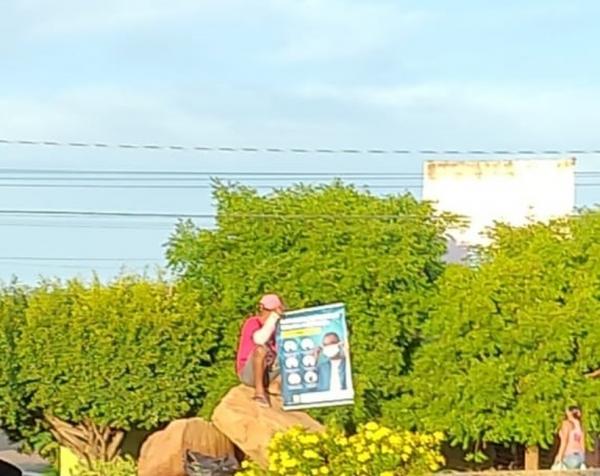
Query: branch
{"points": [[594, 374], [115, 445]]}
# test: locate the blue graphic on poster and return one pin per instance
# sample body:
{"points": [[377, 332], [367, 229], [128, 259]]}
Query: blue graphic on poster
{"points": [[314, 358]]}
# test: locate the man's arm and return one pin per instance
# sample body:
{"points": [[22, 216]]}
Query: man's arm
{"points": [[262, 335]]}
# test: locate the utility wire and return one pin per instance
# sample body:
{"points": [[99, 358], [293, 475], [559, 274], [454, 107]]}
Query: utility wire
{"points": [[295, 150], [179, 187], [235, 174], [251, 216], [197, 179], [208, 174], [48, 258], [67, 266], [139, 227], [210, 187], [217, 173]]}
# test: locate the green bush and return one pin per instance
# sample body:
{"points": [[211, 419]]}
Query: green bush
{"points": [[373, 450], [317, 245], [87, 362], [510, 341]]}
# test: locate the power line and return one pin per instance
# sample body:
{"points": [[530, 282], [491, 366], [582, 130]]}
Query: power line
{"points": [[181, 187], [66, 266], [48, 258], [283, 216], [209, 187], [139, 226], [209, 174], [296, 150], [235, 174], [199, 179]]}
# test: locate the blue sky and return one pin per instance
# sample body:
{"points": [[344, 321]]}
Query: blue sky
{"points": [[331, 73]]}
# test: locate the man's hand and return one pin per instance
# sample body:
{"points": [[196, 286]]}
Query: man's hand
{"points": [[275, 315]]}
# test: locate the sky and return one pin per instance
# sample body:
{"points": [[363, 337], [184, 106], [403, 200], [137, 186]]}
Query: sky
{"points": [[413, 75]]}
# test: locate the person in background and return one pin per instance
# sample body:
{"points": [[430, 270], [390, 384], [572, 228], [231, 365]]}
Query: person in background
{"points": [[571, 452], [332, 365], [256, 355]]}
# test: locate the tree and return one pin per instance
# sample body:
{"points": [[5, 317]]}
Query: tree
{"points": [[317, 245], [509, 341], [90, 361]]}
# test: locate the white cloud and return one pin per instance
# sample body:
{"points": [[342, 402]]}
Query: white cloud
{"points": [[543, 115], [64, 17], [340, 29], [303, 30], [376, 96], [105, 114]]}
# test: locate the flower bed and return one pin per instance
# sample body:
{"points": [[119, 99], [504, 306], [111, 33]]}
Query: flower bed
{"points": [[373, 450]]}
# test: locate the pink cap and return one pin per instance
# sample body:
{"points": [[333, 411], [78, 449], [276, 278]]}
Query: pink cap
{"points": [[271, 302]]}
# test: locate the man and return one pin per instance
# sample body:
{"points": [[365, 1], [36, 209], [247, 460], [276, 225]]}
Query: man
{"points": [[256, 356], [332, 366]]}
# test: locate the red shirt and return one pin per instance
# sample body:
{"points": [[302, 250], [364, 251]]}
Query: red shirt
{"points": [[247, 345]]}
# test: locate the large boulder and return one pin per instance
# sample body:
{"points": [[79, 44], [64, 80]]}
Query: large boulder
{"points": [[251, 427], [7, 469], [163, 452]]}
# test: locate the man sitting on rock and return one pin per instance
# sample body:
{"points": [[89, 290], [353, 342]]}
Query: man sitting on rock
{"points": [[256, 356]]}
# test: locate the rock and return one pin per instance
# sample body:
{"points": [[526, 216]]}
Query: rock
{"points": [[7, 469], [275, 387], [251, 427], [163, 452]]}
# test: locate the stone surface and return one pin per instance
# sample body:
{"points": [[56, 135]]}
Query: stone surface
{"points": [[250, 427], [545, 472], [162, 453], [29, 464]]}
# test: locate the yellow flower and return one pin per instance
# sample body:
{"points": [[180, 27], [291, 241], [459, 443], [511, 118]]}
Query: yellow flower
{"points": [[372, 426], [363, 457], [342, 441], [381, 433], [290, 463], [386, 473], [310, 439], [324, 470], [386, 450], [310, 454], [439, 436]]}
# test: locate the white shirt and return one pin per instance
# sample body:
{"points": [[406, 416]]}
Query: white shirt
{"points": [[335, 384]]}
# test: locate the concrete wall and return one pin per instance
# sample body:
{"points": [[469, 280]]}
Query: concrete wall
{"points": [[512, 191]]}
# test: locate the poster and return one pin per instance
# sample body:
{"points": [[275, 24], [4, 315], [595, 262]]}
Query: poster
{"points": [[314, 358]]}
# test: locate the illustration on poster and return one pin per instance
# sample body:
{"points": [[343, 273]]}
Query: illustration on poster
{"points": [[315, 358]]}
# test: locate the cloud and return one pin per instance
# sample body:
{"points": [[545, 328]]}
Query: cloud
{"points": [[320, 30], [105, 114], [67, 17], [300, 30], [545, 116]]}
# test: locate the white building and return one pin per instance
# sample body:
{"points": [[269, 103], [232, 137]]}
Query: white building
{"points": [[510, 191]]}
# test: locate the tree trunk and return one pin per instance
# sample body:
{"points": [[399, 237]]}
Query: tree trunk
{"points": [[532, 458], [90, 442]]}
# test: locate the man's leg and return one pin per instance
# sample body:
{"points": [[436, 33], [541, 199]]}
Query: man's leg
{"points": [[259, 365]]}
